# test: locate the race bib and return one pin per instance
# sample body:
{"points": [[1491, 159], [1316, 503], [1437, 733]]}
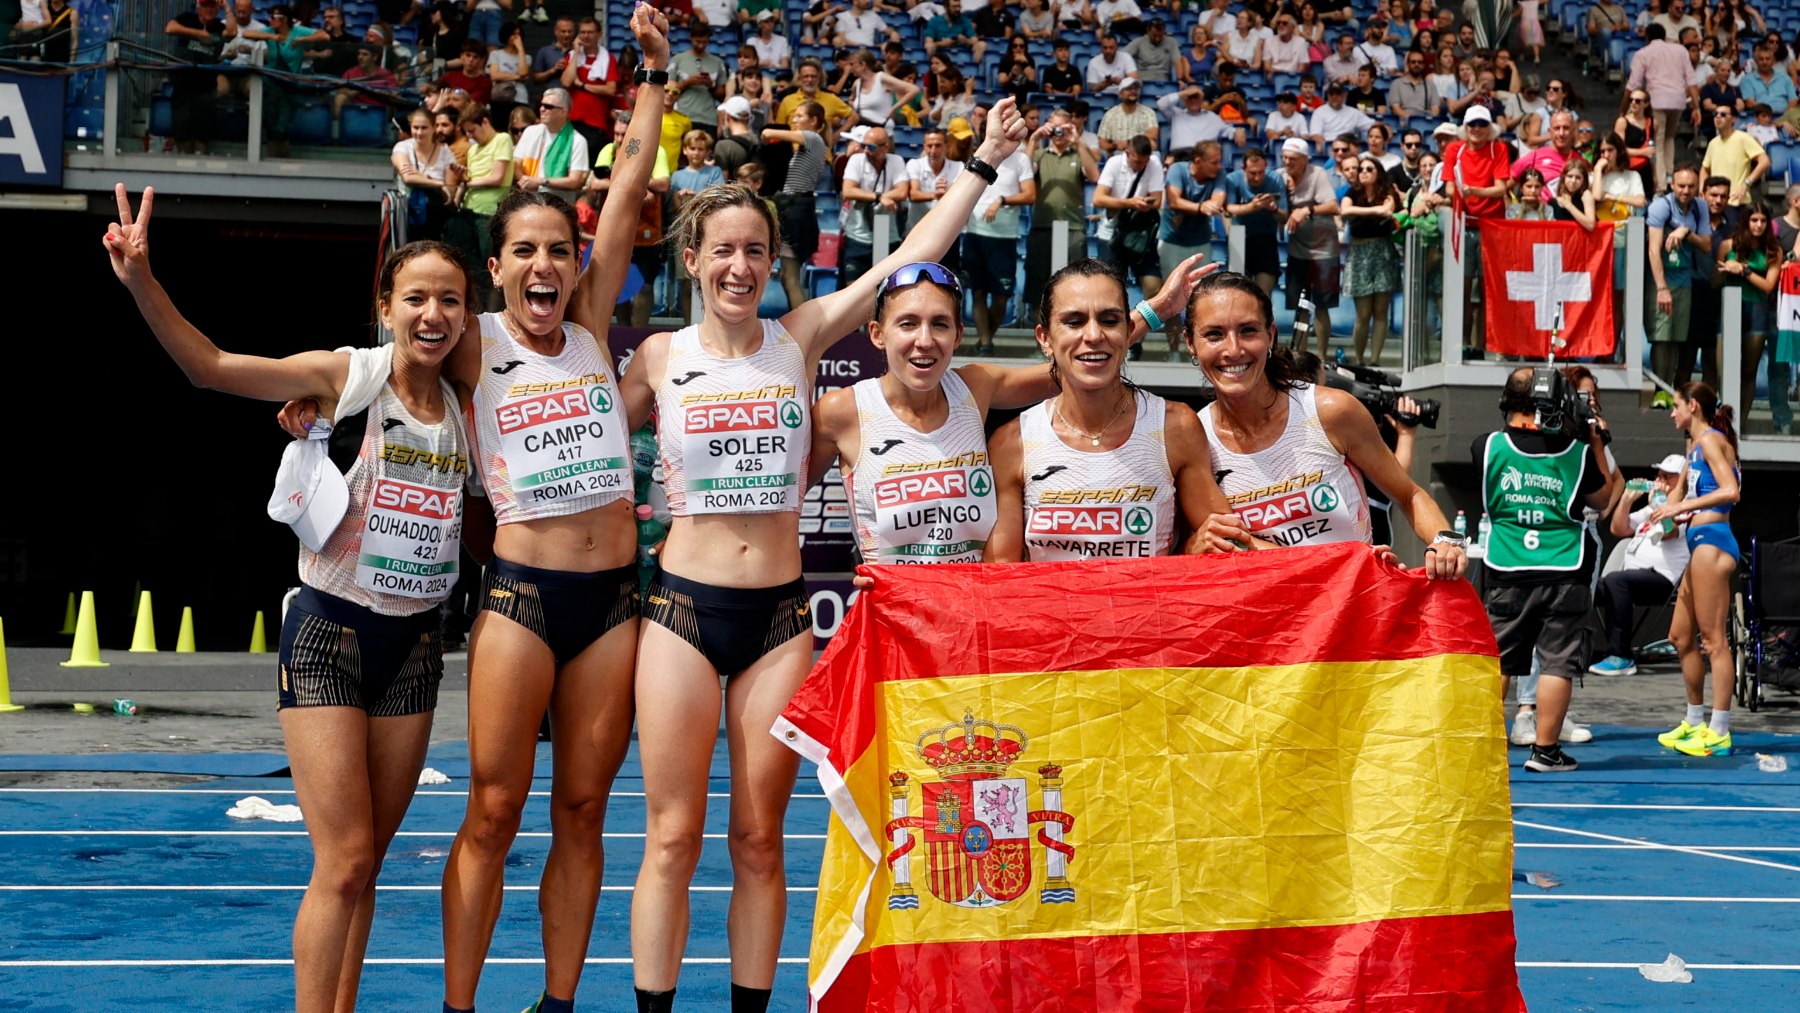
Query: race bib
{"points": [[411, 540], [563, 440], [938, 516], [743, 456]]}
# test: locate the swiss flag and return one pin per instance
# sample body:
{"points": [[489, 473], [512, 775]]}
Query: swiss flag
{"points": [[1529, 269]]}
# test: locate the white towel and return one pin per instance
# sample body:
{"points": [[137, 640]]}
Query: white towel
{"points": [[432, 775], [258, 808]]}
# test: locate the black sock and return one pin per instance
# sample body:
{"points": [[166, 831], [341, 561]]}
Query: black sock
{"points": [[655, 1002], [454, 1009], [749, 1000], [548, 1003]]}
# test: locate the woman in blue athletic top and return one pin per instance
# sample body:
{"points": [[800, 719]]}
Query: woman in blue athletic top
{"points": [[1705, 594]]}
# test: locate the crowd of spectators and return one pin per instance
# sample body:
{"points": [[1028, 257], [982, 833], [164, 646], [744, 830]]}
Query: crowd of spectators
{"points": [[1366, 121]]}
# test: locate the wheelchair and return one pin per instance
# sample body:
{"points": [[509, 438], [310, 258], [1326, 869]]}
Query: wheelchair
{"points": [[1765, 622]]}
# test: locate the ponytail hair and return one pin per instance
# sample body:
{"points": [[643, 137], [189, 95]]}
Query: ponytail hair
{"points": [[1719, 416]]}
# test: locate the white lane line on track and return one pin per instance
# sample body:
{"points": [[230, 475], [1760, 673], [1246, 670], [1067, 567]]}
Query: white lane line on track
{"points": [[290, 791], [1656, 846], [1672, 808], [302, 833], [391, 961], [1597, 965], [1645, 847]]}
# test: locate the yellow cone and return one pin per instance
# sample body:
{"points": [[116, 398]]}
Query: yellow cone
{"points": [[86, 651], [143, 639], [69, 615], [184, 641], [259, 643], [6, 704]]}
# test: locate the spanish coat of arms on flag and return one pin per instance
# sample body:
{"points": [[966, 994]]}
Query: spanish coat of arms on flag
{"points": [[1182, 784]]}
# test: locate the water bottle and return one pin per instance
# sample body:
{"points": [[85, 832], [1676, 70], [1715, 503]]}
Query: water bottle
{"points": [[650, 534], [1461, 524], [1666, 526], [644, 452], [1483, 530], [125, 707]]}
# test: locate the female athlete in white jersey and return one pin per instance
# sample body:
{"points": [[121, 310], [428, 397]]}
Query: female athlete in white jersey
{"points": [[1290, 455], [361, 656], [558, 624], [733, 398], [1104, 468]]}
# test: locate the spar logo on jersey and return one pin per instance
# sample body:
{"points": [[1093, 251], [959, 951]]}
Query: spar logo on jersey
{"points": [[600, 399], [1139, 520], [1079, 522], [544, 409], [402, 497], [935, 485], [733, 418], [1270, 512]]}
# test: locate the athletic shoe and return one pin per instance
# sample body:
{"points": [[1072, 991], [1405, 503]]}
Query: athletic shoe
{"points": [[1680, 733], [1524, 729], [541, 17], [1572, 732], [1705, 742], [1614, 665], [1550, 761]]}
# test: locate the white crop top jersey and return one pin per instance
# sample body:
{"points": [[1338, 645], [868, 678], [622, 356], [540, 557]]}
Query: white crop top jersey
{"points": [[396, 550], [551, 432], [921, 497], [734, 433], [1082, 505], [1302, 490]]}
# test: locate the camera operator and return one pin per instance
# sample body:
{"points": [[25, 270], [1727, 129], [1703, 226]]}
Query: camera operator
{"points": [[1290, 455], [1396, 415], [1536, 475]]}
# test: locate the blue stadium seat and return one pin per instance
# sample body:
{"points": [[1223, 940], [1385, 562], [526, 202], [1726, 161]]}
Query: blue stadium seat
{"points": [[363, 126], [1782, 156], [162, 116], [311, 124]]}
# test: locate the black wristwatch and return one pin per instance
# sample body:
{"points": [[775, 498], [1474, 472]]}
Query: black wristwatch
{"points": [[988, 173], [644, 75]]}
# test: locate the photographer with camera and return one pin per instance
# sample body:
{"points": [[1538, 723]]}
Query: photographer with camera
{"points": [[1536, 475], [1288, 454]]}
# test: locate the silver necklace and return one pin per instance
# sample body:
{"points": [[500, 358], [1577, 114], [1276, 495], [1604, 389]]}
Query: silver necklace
{"points": [[1094, 437]]}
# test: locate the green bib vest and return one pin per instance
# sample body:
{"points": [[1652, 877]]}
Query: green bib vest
{"points": [[1531, 503]]}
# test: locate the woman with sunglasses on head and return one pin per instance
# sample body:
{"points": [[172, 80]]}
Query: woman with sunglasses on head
{"points": [[1703, 600], [733, 399], [1638, 131], [1270, 427], [1372, 266], [1105, 469], [924, 422]]}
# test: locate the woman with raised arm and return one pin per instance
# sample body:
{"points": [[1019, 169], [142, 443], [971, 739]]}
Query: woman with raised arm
{"points": [[1271, 429], [558, 625], [926, 492], [1105, 468], [1703, 600], [360, 657], [733, 398]]}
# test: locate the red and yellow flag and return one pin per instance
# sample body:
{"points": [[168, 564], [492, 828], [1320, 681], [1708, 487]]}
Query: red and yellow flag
{"points": [[1273, 781]]}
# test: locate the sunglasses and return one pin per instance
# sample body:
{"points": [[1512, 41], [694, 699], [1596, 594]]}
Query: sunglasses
{"points": [[548, 105], [1409, 144], [913, 274], [1554, 89]]}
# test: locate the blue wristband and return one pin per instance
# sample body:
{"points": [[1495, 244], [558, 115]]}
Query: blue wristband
{"points": [[1149, 315]]}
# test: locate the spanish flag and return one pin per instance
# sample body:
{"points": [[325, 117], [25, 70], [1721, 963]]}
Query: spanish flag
{"points": [[1270, 781]]}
